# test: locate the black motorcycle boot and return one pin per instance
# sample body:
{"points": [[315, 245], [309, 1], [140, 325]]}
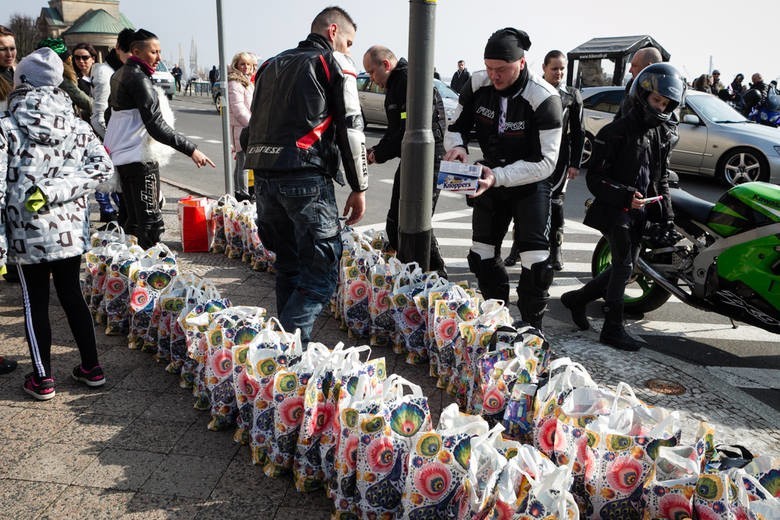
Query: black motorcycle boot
{"points": [[556, 255], [576, 302], [613, 333], [532, 293], [514, 255], [492, 278]]}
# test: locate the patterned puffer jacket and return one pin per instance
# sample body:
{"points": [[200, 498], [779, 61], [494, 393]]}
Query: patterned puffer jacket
{"points": [[44, 145]]}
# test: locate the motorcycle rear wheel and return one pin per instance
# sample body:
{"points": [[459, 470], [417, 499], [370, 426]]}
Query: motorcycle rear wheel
{"points": [[642, 293]]}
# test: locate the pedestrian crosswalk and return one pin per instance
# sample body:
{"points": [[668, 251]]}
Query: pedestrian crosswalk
{"points": [[453, 233]]}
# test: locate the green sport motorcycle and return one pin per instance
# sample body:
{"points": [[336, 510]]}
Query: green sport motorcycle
{"points": [[722, 257]]}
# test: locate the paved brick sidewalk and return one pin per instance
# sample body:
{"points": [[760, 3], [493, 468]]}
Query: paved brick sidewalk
{"points": [[136, 448]]}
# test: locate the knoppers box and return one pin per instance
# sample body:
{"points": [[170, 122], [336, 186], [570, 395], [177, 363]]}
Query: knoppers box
{"points": [[459, 177]]}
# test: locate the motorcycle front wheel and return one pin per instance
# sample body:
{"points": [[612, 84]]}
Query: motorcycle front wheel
{"points": [[642, 294]]}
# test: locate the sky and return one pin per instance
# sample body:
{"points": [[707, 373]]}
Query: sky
{"points": [[693, 32]]}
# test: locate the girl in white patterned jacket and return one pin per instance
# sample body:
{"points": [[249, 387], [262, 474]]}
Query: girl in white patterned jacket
{"points": [[50, 161]]}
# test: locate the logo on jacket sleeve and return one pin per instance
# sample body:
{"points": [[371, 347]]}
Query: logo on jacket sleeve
{"points": [[262, 148]]}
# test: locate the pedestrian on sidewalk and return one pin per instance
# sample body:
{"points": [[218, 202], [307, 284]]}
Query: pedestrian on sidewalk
{"points": [[306, 113], [517, 119], [569, 156], [627, 167], [391, 73], [240, 92], [50, 161], [136, 121]]}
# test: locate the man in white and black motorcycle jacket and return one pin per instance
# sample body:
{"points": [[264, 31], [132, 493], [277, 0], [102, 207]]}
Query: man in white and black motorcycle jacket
{"points": [[517, 120], [306, 119], [136, 121]]}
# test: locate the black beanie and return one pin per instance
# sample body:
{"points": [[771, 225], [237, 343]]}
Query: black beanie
{"points": [[507, 44]]}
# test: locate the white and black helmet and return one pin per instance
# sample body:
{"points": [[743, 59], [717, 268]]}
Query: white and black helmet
{"points": [[664, 79]]}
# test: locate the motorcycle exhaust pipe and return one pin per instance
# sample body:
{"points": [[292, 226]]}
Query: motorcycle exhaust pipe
{"points": [[670, 287]]}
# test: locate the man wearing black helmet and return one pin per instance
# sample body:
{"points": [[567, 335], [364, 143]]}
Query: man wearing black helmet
{"points": [[517, 120], [627, 172]]}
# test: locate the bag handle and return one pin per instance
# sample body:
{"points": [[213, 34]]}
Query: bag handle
{"points": [[394, 388], [619, 390]]}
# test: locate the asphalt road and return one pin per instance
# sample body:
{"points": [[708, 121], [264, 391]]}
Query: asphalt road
{"points": [[745, 356]]}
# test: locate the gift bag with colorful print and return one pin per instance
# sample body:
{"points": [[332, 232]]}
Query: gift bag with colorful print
{"points": [[289, 388], [236, 338], [489, 455], [224, 332], [382, 276], [433, 288], [201, 303], [153, 272], [116, 298], [762, 505], [475, 337], [358, 381], [388, 436], [439, 463], [357, 292], [364, 399], [501, 381], [453, 308], [171, 304], [718, 496], [409, 322], [531, 487], [96, 264], [766, 469], [319, 412], [669, 492], [233, 242], [565, 375], [217, 223], [272, 350], [613, 454]]}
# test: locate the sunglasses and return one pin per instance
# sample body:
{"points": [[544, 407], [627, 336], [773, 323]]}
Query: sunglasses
{"points": [[82, 57]]}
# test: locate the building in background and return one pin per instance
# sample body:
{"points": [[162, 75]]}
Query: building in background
{"points": [[92, 21]]}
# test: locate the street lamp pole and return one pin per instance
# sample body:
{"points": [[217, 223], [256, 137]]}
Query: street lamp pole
{"points": [[223, 73], [416, 193]]}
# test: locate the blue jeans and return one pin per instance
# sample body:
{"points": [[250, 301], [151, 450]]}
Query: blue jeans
{"points": [[297, 218]]}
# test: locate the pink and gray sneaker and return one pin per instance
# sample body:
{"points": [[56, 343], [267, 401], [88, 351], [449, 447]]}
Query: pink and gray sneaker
{"points": [[93, 377], [41, 389]]}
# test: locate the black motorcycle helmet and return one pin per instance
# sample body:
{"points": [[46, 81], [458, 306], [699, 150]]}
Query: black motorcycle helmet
{"points": [[664, 79]]}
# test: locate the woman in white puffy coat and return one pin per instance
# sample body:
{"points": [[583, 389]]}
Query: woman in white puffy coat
{"points": [[240, 92], [50, 161]]}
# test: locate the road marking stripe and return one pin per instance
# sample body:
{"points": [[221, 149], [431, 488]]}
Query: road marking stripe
{"points": [[212, 141], [747, 377], [193, 137]]}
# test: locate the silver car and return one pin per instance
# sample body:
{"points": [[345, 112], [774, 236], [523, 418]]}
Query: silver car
{"points": [[372, 100], [163, 78], [715, 140]]}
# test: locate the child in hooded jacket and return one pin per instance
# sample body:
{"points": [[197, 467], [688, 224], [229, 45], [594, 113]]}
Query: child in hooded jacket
{"points": [[50, 161]]}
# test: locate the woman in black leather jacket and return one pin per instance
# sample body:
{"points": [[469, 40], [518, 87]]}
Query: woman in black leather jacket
{"points": [[628, 169]]}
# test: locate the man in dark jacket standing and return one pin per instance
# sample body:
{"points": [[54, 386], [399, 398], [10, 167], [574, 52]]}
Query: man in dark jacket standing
{"points": [[460, 78], [517, 120], [391, 73], [305, 113], [136, 119]]}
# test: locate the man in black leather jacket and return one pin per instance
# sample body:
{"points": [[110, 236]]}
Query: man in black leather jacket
{"points": [[517, 119], [392, 74], [305, 114], [135, 120], [627, 167]]}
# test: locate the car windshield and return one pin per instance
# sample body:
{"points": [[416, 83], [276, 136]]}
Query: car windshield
{"points": [[444, 90], [161, 67], [714, 109]]}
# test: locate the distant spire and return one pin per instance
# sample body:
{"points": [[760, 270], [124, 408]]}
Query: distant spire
{"points": [[193, 58]]}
